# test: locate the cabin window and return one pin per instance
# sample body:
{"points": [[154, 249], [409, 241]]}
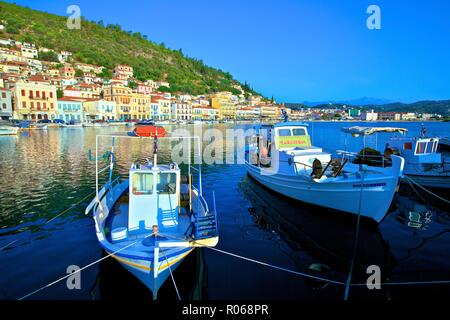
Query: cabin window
{"points": [[284, 132], [167, 183], [429, 148], [142, 183], [298, 132], [420, 149]]}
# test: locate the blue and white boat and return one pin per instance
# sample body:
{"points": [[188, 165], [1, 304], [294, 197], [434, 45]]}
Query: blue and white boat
{"points": [[150, 221], [282, 158]]}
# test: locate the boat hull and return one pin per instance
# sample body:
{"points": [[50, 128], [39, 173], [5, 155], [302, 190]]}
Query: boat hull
{"points": [[376, 195], [144, 269], [8, 131]]}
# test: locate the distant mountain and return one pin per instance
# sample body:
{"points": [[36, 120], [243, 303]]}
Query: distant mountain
{"points": [[427, 106], [354, 102]]}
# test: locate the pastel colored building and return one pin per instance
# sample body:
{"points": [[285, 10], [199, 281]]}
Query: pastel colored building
{"points": [[204, 113], [6, 111], [181, 111], [123, 72], [164, 107], [70, 109], [34, 100], [122, 96], [100, 109]]}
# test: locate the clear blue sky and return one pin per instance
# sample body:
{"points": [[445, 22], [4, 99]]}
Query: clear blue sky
{"points": [[298, 50]]}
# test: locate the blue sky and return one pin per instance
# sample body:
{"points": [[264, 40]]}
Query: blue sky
{"points": [[298, 50]]}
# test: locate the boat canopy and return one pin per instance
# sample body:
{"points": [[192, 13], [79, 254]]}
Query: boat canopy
{"points": [[290, 124], [366, 131]]}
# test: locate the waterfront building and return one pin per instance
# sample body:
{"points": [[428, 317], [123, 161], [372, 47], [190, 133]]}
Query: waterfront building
{"points": [[34, 99], [369, 116], [100, 109], [227, 109], [122, 96], [389, 116], [123, 72], [354, 113], [247, 113], [269, 111], [409, 116], [164, 107], [181, 110], [205, 113], [140, 106], [70, 109], [6, 111]]}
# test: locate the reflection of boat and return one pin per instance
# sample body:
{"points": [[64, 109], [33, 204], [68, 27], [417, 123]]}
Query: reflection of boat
{"points": [[330, 240], [282, 158], [6, 128], [151, 221]]}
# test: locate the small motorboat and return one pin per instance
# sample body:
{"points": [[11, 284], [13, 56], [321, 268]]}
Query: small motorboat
{"points": [[147, 129], [7, 128], [28, 125], [282, 158], [151, 220]]}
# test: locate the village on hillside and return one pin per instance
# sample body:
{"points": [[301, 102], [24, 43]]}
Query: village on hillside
{"points": [[35, 89]]}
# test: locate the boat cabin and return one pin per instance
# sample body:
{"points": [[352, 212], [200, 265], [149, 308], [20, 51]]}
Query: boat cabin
{"points": [[154, 197], [417, 150], [287, 142]]}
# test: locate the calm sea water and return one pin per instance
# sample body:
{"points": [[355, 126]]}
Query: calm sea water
{"points": [[45, 173]]}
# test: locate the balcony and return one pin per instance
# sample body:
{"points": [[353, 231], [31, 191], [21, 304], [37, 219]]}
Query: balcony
{"points": [[38, 98]]}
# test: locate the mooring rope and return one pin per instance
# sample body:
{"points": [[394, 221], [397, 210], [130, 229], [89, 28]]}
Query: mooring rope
{"points": [[277, 267], [81, 269], [53, 218], [171, 275], [426, 190]]}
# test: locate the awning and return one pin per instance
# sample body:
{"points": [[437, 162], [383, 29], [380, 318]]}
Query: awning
{"points": [[365, 131]]}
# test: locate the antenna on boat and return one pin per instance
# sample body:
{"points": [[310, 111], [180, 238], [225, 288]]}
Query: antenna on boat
{"points": [[423, 131], [155, 149]]}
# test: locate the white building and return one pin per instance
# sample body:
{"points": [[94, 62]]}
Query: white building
{"points": [[181, 111], [29, 50], [369, 116], [5, 104]]}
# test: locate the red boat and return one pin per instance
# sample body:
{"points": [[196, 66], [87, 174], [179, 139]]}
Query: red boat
{"points": [[149, 130]]}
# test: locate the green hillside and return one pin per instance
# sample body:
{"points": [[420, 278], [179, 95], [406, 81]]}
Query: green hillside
{"points": [[108, 45]]}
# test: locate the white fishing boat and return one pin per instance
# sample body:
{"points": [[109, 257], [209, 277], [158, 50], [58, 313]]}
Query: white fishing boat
{"points": [[150, 221], [96, 124], [424, 164], [282, 158], [7, 128]]}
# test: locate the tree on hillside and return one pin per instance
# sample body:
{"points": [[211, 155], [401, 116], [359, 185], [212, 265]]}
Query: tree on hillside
{"points": [[48, 56], [78, 73]]}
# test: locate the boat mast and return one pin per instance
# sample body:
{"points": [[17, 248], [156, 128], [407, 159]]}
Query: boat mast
{"points": [[155, 150]]}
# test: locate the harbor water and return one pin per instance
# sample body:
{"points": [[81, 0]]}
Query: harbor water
{"points": [[47, 180]]}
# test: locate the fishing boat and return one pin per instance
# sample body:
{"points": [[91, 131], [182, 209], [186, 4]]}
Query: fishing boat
{"points": [[151, 220], [28, 125], [96, 124], [424, 163], [282, 158], [6, 128]]}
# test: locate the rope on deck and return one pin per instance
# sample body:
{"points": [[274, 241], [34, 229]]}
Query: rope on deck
{"points": [[53, 218]]}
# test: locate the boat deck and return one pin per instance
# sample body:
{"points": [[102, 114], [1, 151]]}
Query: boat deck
{"points": [[118, 218]]}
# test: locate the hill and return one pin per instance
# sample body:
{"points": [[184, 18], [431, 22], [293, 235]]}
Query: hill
{"points": [[109, 45], [431, 106]]}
